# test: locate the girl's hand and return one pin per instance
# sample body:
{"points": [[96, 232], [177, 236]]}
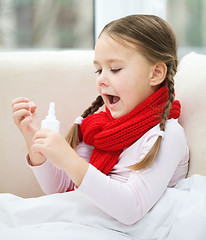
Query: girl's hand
{"points": [[24, 116], [54, 147]]}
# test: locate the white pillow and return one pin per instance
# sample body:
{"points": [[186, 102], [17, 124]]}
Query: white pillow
{"points": [[190, 85]]}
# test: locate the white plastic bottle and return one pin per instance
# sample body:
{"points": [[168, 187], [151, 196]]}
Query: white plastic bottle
{"points": [[50, 121]]}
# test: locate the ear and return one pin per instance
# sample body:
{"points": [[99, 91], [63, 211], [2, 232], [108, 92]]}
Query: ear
{"points": [[158, 74]]}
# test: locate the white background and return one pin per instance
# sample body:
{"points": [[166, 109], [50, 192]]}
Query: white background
{"points": [[108, 10]]}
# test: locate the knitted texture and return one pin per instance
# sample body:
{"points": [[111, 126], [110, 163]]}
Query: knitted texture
{"points": [[110, 136]]}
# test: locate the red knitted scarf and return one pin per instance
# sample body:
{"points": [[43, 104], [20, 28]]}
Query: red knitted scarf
{"points": [[110, 136]]}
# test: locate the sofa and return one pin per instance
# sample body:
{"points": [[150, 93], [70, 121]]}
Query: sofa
{"points": [[67, 78]]}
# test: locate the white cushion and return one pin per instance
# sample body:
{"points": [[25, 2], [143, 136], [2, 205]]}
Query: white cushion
{"points": [[190, 85]]}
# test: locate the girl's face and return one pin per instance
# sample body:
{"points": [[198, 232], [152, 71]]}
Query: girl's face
{"points": [[123, 76]]}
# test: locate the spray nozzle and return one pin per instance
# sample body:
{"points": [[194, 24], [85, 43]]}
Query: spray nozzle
{"points": [[51, 112], [50, 121]]}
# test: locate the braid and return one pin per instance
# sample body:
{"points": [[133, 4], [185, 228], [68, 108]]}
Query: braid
{"points": [[152, 154], [94, 107], [170, 83], [73, 135]]}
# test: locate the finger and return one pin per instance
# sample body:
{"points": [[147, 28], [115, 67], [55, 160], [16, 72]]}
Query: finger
{"points": [[39, 141], [32, 107], [38, 148], [40, 134], [19, 100], [25, 121], [19, 106], [21, 114]]}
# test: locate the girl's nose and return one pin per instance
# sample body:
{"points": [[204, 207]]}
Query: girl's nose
{"points": [[103, 80]]}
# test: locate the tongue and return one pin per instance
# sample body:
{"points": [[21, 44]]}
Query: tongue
{"points": [[115, 99]]}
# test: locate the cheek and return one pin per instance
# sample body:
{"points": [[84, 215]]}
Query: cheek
{"points": [[98, 87]]}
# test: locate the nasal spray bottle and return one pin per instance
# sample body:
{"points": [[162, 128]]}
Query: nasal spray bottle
{"points": [[50, 121]]}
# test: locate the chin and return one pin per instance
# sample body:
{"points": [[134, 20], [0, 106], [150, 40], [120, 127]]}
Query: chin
{"points": [[116, 115]]}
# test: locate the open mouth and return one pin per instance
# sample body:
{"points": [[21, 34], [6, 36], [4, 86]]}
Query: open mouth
{"points": [[113, 99]]}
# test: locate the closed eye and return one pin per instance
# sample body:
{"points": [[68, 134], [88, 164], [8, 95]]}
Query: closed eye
{"points": [[115, 70], [98, 71]]}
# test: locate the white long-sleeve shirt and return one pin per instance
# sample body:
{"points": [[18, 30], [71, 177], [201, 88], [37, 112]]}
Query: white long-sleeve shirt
{"points": [[124, 194]]}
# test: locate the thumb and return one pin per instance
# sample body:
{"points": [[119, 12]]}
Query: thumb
{"points": [[32, 106]]}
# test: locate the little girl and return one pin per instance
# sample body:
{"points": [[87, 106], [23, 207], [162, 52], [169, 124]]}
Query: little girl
{"points": [[125, 157]]}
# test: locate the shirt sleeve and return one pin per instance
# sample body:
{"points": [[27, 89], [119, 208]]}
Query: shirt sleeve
{"points": [[129, 201], [54, 180]]}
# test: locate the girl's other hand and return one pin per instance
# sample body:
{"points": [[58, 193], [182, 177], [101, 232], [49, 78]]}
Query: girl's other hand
{"points": [[53, 146], [24, 115]]}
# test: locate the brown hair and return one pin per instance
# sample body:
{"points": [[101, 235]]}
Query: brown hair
{"points": [[155, 39]]}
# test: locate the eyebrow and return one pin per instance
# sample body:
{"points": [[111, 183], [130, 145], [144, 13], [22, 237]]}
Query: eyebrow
{"points": [[110, 60]]}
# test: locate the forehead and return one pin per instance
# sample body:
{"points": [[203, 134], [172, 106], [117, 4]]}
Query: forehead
{"points": [[109, 48]]}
